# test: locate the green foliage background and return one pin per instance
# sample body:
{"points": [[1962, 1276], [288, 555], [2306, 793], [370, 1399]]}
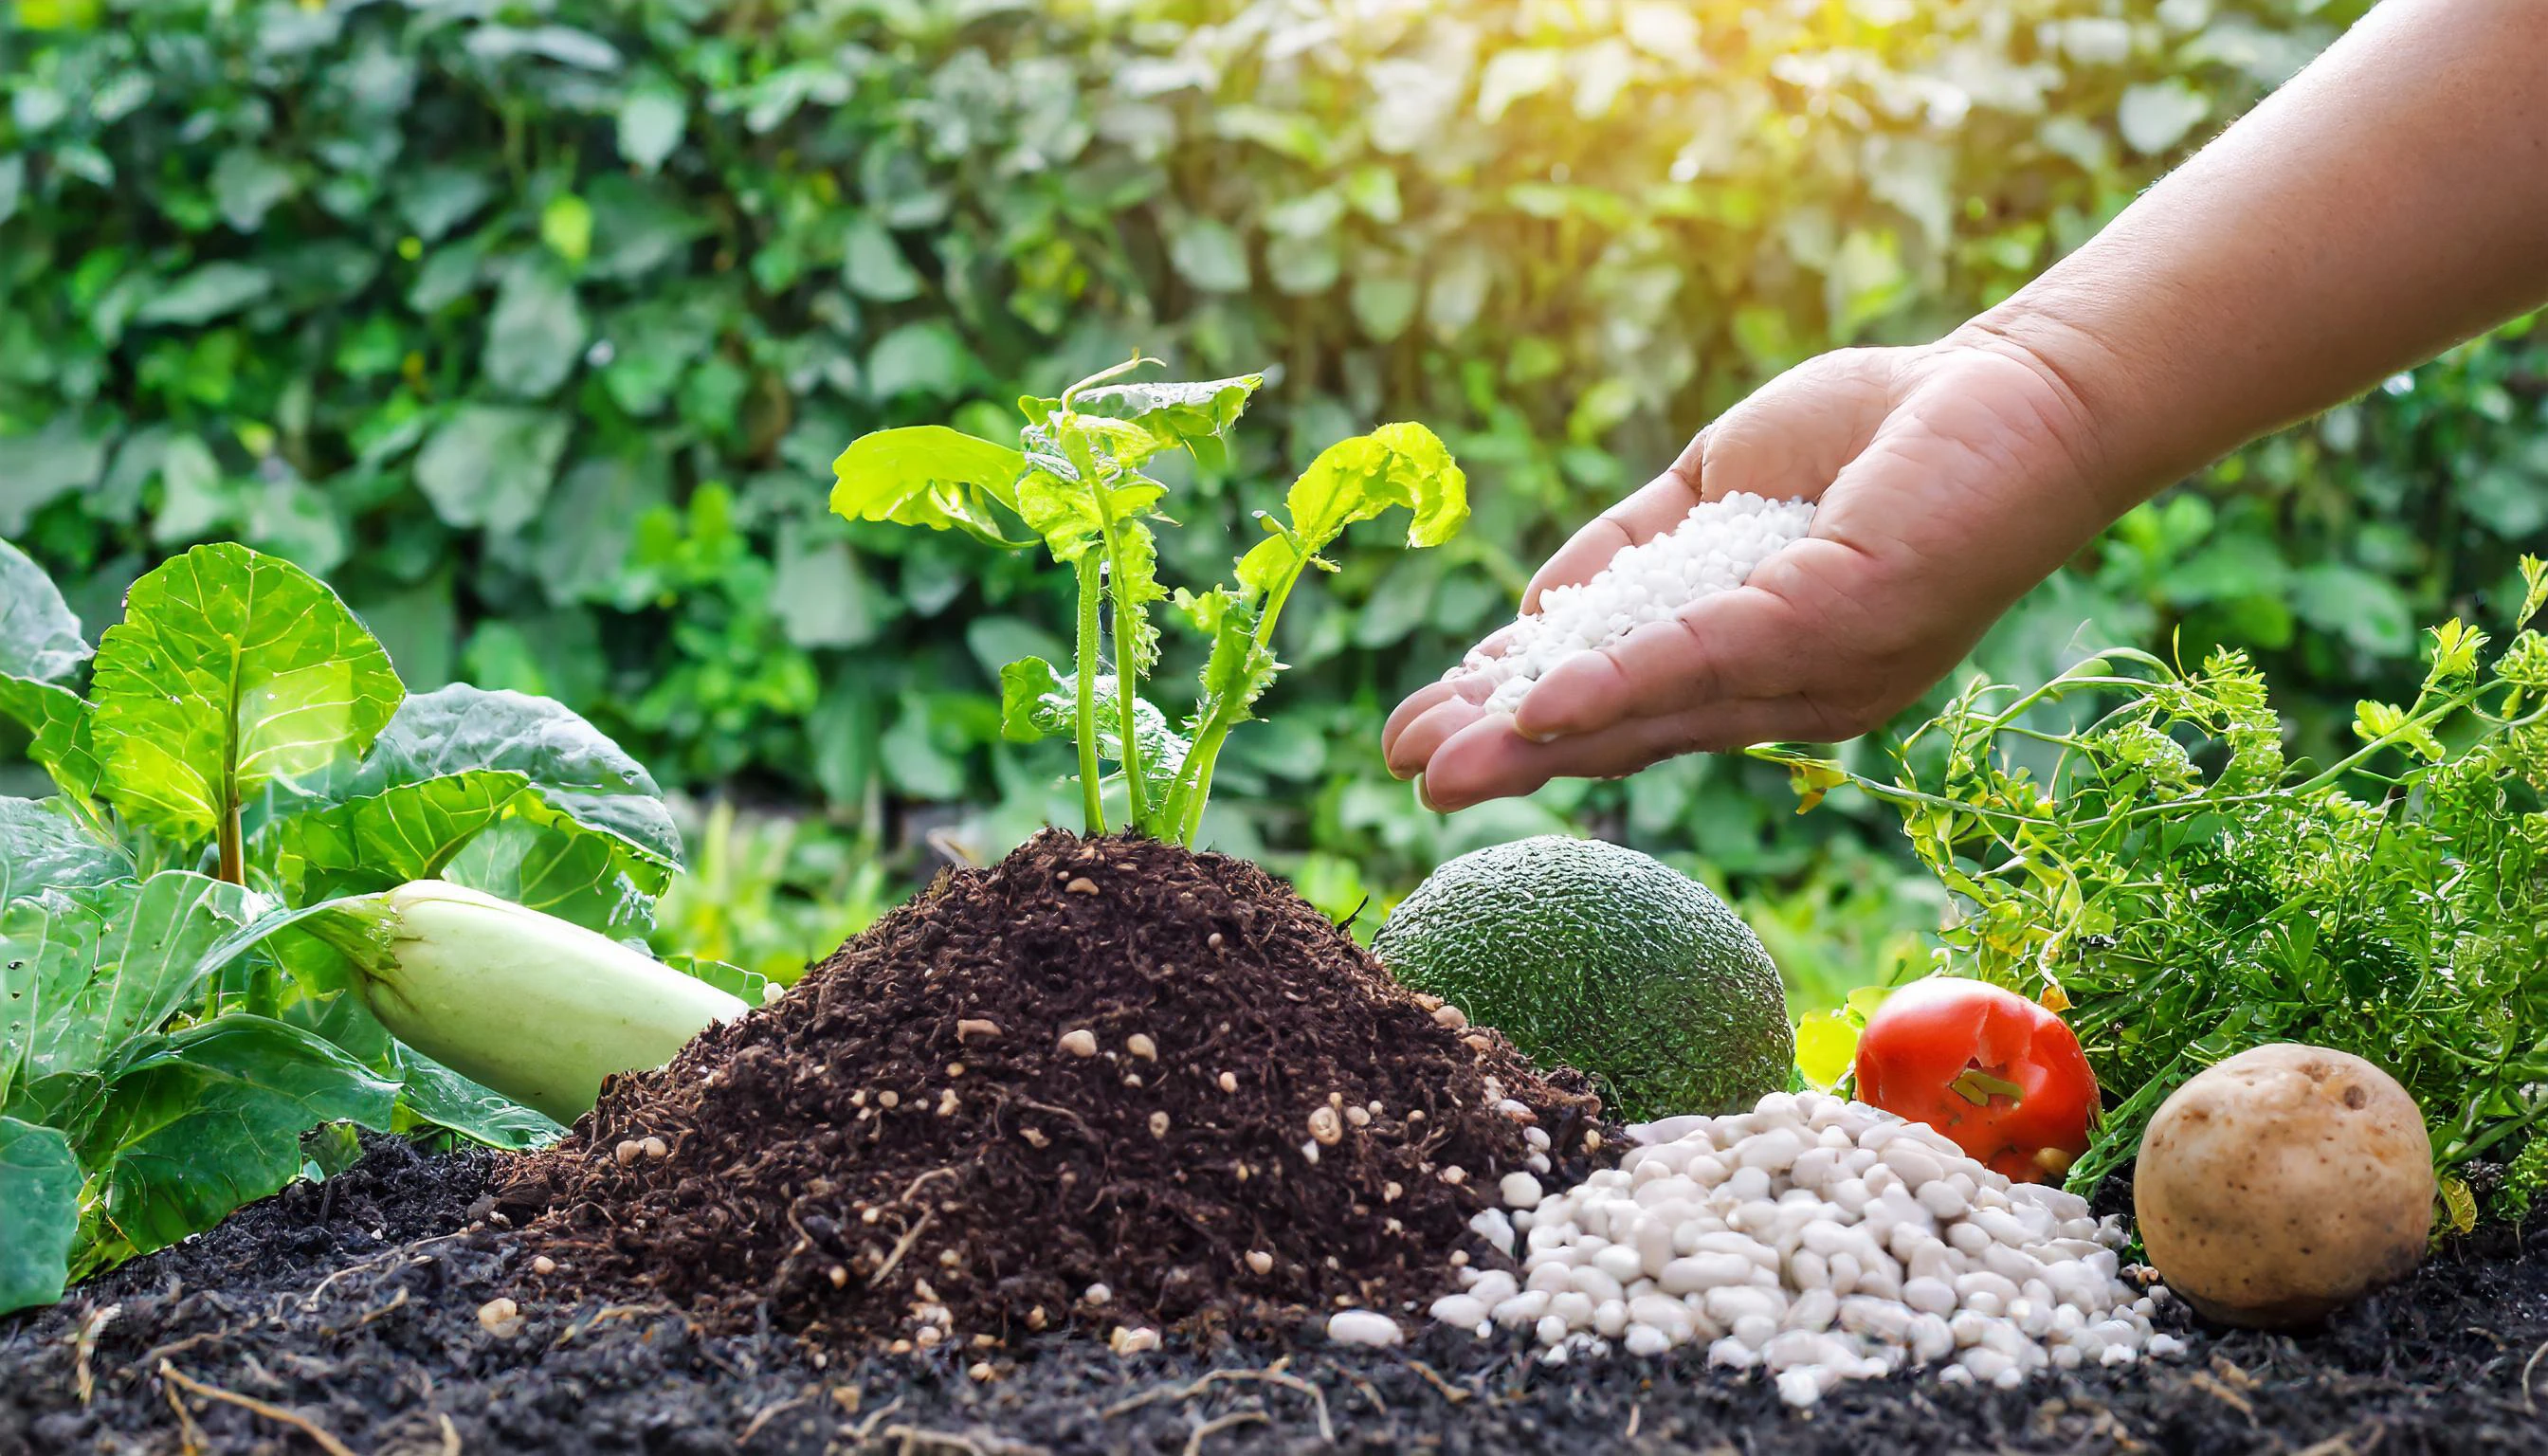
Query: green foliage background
{"points": [[534, 325]]}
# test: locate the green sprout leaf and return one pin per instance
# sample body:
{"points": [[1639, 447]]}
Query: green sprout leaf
{"points": [[1165, 415], [1036, 703], [230, 672], [927, 475]]}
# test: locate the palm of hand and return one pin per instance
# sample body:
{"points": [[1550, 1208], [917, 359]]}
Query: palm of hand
{"points": [[1947, 482]]}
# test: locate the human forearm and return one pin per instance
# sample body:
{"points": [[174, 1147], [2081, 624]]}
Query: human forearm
{"points": [[2389, 202]]}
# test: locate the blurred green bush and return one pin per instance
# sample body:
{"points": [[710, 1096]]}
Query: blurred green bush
{"points": [[536, 323]]}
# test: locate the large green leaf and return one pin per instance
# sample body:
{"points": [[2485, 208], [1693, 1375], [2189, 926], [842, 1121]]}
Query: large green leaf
{"points": [[406, 831], [928, 476], [39, 1184], [39, 637], [434, 1095], [60, 722], [558, 870], [569, 762], [42, 849], [230, 670], [209, 1118], [83, 971]]}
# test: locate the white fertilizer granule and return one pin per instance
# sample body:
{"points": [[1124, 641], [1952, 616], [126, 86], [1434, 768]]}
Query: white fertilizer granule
{"points": [[1816, 1240], [1714, 549]]}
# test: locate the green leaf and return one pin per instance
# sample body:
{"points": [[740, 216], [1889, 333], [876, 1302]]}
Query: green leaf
{"points": [[230, 670], [84, 970], [39, 1184], [406, 831], [40, 636], [1356, 480], [434, 1095], [872, 264], [1027, 685], [65, 456], [1168, 415], [752, 986], [537, 331], [1207, 253], [1035, 702], [41, 850], [491, 464], [61, 722], [1826, 1047], [927, 358], [566, 226], [572, 766], [246, 184], [651, 121], [571, 874], [208, 1120], [206, 294], [927, 475]]}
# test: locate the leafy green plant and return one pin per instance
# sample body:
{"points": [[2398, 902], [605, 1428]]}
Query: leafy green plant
{"points": [[2184, 892], [243, 772], [1075, 482], [530, 350]]}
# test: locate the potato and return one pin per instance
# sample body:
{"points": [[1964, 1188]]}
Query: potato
{"points": [[2283, 1183]]}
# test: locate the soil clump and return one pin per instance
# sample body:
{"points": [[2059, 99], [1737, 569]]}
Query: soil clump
{"points": [[1107, 1083]]}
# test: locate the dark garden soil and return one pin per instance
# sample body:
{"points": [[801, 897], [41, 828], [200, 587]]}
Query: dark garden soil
{"points": [[350, 1312], [800, 1262], [1108, 1084]]}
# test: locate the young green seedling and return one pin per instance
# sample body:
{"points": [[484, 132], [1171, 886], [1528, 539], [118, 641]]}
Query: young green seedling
{"points": [[1075, 482]]}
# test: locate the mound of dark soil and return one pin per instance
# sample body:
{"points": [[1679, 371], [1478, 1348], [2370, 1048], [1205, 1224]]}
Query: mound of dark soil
{"points": [[1107, 1083]]}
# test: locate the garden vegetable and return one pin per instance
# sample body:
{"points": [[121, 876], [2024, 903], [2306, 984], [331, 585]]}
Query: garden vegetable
{"points": [[2282, 1184], [534, 1007], [2000, 1075], [1595, 955], [2130, 838], [167, 1037], [1713, 549]]}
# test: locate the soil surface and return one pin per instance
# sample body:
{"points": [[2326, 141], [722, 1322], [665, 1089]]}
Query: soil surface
{"points": [[1108, 1084], [349, 1313]]}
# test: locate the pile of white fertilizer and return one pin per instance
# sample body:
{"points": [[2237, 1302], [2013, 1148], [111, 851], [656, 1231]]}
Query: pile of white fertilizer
{"points": [[1714, 549], [1818, 1239]]}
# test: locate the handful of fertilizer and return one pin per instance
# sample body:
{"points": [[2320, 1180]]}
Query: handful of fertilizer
{"points": [[1715, 548]]}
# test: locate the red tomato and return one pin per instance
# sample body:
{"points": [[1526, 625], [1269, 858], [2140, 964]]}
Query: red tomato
{"points": [[2001, 1076]]}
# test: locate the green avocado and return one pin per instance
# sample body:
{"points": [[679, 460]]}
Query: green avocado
{"points": [[1608, 960]]}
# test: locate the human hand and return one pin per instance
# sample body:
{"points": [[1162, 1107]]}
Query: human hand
{"points": [[1951, 479]]}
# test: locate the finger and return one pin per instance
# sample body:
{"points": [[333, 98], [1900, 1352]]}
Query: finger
{"points": [[1416, 704], [1416, 745], [1655, 508], [1729, 645], [1488, 760]]}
